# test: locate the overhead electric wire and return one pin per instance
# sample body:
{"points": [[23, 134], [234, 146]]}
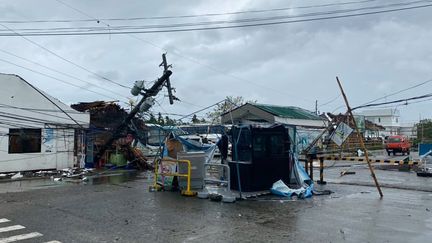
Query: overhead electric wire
{"points": [[17, 125], [190, 24], [395, 93], [15, 116], [204, 23], [203, 109], [190, 103], [330, 101], [55, 78], [337, 108], [393, 102], [419, 101], [359, 14], [38, 109], [160, 105], [63, 73], [22, 119], [399, 91], [190, 59], [178, 54], [180, 16], [40, 112], [404, 104], [75, 33], [62, 58], [55, 104]]}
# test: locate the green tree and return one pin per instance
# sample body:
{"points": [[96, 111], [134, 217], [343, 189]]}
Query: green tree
{"points": [[160, 119], [152, 119], [195, 119], [169, 121], [424, 131]]}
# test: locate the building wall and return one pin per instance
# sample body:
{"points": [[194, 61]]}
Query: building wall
{"points": [[388, 118], [57, 152], [25, 107], [408, 130], [385, 121], [301, 122]]}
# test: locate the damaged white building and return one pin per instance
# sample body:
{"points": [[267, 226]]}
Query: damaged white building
{"points": [[37, 131]]}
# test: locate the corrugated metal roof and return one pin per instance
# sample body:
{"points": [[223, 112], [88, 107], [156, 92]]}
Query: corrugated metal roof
{"points": [[288, 111]]}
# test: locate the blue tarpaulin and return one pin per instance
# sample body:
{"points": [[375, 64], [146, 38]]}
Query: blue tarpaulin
{"points": [[301, 178], [191, 146]]}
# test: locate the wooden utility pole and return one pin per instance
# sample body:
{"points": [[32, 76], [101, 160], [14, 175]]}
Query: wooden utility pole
{"points": [[360, 138], [152, 91], [168, 82]]}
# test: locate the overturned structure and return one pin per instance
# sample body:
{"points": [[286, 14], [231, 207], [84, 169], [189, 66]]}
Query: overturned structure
{"points": [[260, 157]]}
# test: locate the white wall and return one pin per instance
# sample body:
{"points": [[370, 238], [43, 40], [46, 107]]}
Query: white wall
{"points": [[385, 121], [301, 122], [408, 130], [22, 106], [19, 103], [388, 118], [59, 156]]}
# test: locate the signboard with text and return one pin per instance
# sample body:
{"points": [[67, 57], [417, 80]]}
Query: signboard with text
{"points": [[341, 133]]}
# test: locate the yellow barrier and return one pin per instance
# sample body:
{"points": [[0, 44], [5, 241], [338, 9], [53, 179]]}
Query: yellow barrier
{"points": [[390, 161], [186, 192]]}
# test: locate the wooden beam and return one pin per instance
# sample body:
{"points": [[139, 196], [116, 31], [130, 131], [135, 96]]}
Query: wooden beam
{"points": [[360, 139]]}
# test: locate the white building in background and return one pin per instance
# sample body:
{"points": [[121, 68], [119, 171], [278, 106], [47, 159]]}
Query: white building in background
{"points": [[408, 129], [35, 132], [388, 118]]}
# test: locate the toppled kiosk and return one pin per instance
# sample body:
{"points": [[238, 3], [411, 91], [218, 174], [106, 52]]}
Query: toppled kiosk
{"points": [[262, 156]]}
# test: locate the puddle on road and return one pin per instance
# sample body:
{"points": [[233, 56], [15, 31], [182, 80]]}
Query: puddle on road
{"points": [[113, 177], [27, 185]]}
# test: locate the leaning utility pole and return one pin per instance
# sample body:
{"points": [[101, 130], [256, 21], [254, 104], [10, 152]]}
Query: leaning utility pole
{"points": [[168, 83], [145, 103], [360, 138]]}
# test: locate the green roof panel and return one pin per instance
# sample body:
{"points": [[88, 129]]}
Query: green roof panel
{"points": [[288, 112]]}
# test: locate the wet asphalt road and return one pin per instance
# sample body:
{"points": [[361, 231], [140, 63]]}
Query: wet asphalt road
{"points": [[127, 212]]}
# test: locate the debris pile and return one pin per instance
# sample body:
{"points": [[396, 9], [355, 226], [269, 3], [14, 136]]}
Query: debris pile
{"points": [[105, 117], [56, 175]]}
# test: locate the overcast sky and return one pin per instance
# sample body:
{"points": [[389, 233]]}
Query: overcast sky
{"points": [[287, 64]]}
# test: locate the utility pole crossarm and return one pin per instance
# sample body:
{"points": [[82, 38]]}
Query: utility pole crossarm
{"points": [[168, 82]]}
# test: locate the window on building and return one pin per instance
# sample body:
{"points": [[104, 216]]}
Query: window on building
{"points": [[25, 140], [397, 119]]}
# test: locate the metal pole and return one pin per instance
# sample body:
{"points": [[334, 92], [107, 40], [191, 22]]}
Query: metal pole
{"points": [[237, 162], [311, 168], [321, 180], [188, 191], [360, 138]]}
